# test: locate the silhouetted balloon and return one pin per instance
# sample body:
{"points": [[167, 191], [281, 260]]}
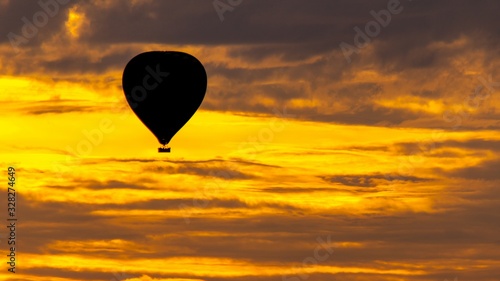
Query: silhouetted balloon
{"points": [[164, 89]]}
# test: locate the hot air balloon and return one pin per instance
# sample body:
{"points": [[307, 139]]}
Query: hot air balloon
{"points": [[164, 89]]}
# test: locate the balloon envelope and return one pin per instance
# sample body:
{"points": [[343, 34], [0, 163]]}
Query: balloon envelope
{"points": [[164, 89]]}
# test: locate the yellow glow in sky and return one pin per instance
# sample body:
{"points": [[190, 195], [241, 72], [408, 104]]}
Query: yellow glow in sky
{"points": [[75, 22]]}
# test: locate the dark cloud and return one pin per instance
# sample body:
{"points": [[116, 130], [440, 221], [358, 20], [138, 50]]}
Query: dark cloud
{"points": [[59, 109], [84, 64], [219, 172], [278, 189], [286, 22], [186, 162], [368, 180], [433, 148], [487, 170], [287, 29], [12, 15], [219, 168], [361, 181], [59, 106], [417, 46], [140, 184], [367, 115]]}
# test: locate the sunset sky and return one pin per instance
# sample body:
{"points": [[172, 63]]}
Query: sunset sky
{"points": [[338, 140]]}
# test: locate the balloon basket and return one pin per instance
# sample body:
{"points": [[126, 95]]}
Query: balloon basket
{"points": [[163, 149]]}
